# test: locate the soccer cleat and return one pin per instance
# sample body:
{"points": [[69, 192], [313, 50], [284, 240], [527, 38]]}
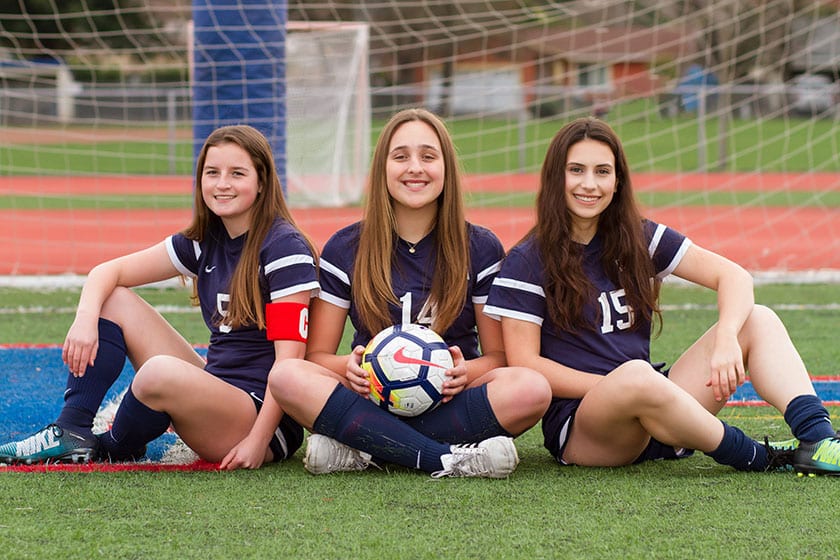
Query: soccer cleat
{"points": [[326, 455], [495, 457], [51, 444], [780, 454], [819, 457]]}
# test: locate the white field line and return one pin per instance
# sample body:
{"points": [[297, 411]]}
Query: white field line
{"points": [[777, 307], [76, 281]]}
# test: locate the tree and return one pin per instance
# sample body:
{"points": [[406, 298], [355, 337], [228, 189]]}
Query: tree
{"points": [[38, 28]]}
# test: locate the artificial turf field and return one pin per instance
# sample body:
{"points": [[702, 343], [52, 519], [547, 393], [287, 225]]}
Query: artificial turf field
{"points": [[691, 508]]}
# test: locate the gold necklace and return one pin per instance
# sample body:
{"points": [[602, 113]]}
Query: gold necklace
{"points": [[412, 247]]}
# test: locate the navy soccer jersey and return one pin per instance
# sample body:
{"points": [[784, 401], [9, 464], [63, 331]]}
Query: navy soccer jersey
{"points": [[411, 280], [517, 293], [242, 356]]}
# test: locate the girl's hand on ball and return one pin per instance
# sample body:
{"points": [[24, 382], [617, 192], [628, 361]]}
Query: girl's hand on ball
{"points": [[456, 376], [357, 378]]}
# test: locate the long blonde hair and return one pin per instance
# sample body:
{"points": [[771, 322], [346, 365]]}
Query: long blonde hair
{"points": [[246, 305], [372, 291]]}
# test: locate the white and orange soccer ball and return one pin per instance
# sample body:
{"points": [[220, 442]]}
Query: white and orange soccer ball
{"points": [[407, 365]]}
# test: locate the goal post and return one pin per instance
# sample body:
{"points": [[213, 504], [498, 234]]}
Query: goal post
{"points": [[304, 85], [328, 112], [238, 69]]}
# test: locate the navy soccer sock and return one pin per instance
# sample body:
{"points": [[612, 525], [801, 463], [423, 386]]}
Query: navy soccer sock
{"points": [[83, 395], [739, 451], [467, 418], [359, 423], [135, 425], [808, 419]]}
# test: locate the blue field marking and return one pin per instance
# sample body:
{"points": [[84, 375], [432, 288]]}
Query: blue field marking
{"points": [[32, 382], [827, 388]]}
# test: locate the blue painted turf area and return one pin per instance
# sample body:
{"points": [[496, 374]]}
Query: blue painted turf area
{"points": [[32, 383], [827, 389]]}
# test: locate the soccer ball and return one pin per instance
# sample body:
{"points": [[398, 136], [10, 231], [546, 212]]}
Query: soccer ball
{"points": [[406, 366]]}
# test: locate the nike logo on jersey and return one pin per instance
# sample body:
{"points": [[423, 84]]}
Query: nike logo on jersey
{"points": [[401, 358], [209, 269]]}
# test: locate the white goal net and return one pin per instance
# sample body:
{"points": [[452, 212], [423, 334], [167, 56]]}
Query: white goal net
{"points": [[328, 113], [728, 110]]}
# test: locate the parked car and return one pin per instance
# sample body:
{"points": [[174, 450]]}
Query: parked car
{"points": [[812, 94]]}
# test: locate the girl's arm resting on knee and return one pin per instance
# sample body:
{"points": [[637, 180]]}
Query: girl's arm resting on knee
{"points": [[522, 347], [136, 269], [736, 299]]}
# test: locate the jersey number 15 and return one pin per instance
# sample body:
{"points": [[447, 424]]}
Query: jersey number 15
{"points": [[615, 314]]}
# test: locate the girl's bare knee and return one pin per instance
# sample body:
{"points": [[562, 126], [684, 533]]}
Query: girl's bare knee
{"points": [[762, 324], [284, 378], [636, 380], [528, 389], [119, 305], [634, 371], [153, 377]]}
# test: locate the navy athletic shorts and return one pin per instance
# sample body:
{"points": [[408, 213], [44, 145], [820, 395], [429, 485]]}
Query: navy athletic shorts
{"points": [[287, 438]]}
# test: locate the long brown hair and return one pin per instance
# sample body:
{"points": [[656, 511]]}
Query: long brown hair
{"points": [[246, 306], [372, 290], [625, 256]]}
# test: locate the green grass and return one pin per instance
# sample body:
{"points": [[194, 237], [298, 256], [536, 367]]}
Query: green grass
{"points": [[488, 145], [654, 143], [686, 509], [102, 158]]}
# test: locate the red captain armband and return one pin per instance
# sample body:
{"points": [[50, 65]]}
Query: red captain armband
{"points": [[287, 321]]}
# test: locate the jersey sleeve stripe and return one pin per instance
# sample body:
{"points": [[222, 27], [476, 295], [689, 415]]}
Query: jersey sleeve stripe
{"points": [[479, 300], [326, 266], [499, 312], [492, 269], [312, 287], [291, 260], [176, 262], [338, 302], [655, 239], [676, 260], [519, 285]]}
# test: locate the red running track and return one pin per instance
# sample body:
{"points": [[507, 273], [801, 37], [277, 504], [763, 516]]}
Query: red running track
{"points": [[760, 239]]}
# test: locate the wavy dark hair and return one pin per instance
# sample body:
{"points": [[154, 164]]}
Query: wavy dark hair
{"points": [[625, 256]]}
